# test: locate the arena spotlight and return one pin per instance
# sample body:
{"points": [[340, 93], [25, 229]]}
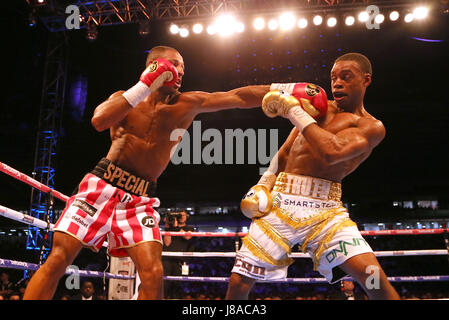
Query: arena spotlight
{"points": [[394, 15], [287, 21], [317, 20], [409, 17], [379, 18], [302, 23], [363, 16], [349, 20], [225, 25], [259, 23], [211, 29], [331, 22], [197, 28], [273, 24], [239, 27], [184, 32], [174, 29], [420, 13]]}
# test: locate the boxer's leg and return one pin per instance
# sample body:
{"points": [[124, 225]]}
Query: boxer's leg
{"points": [[366, 270], [147, 256], [44, 282], [239, 287]]}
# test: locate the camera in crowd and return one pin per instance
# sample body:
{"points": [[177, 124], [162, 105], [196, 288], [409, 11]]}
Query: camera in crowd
{"points": [[172, 218]]}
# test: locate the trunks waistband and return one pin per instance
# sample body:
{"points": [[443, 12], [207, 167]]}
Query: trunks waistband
{"points": [[123, 179], [306, 186]]}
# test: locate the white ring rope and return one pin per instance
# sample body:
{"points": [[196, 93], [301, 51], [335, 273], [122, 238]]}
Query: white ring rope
{"points": [[21, 217]]}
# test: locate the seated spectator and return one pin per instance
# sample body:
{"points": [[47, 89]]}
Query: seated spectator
{"points": [[87, 292], [6, 286], [348, 292]]}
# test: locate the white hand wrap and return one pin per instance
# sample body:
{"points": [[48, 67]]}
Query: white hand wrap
{"points": [[137, 93], [287, 87], [299, 118]]}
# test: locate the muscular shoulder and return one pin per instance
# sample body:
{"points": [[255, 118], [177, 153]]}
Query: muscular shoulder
{"points": [[373, 129], [192, 100], [116, 94]]}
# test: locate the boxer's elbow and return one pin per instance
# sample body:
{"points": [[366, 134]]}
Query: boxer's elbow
{"points": [[98, 123], [330, 151], [330, 158], [337, 153]]}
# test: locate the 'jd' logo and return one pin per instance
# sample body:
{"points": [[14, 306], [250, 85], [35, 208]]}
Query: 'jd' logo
{"points": [[148, 222]]}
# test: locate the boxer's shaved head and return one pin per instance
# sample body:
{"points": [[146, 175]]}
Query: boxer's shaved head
{"points": [[362, 61], [158, 52]]}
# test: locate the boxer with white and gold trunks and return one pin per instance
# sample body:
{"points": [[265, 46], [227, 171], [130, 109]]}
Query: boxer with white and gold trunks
{"points": [[116, 200], [298, 199]]}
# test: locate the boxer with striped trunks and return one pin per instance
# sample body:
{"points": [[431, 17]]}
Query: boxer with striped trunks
{"points": [[117, 198]]}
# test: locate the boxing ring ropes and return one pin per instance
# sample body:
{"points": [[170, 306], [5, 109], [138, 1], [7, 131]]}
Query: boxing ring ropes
{"points": [[24, 218]]}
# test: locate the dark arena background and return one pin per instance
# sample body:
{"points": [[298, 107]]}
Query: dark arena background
{"points": [[54, 77]]}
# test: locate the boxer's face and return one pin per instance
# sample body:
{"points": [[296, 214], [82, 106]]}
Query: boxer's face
{"points": [[177, 60], [348, 84]]}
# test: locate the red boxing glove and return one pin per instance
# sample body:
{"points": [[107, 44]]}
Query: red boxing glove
{"points": [[159, 72], [313, 98]]}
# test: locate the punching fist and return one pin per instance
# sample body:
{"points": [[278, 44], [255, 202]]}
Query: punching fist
{"points": [[278, 103], [312, 98], [309, 103], [257, 202], [159, 73]]}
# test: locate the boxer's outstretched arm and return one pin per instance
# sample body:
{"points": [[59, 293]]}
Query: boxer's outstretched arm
{"points": [[346, 144], [244, 97], [110, 112]]}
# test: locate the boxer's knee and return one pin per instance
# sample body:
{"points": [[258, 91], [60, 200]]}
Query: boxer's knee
{"points": [[240, 285], [151, 273], [57, 262], [61, 255]]}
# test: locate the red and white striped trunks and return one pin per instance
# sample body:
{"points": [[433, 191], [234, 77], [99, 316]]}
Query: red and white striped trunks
{"points": [[100, 209]]}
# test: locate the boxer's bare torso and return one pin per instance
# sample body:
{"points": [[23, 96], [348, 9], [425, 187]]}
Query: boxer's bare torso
{"points": [[303, 159], [141, 142], [144, 136]]}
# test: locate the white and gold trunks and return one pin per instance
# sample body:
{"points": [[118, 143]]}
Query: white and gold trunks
{"points": [[307, 211]]}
